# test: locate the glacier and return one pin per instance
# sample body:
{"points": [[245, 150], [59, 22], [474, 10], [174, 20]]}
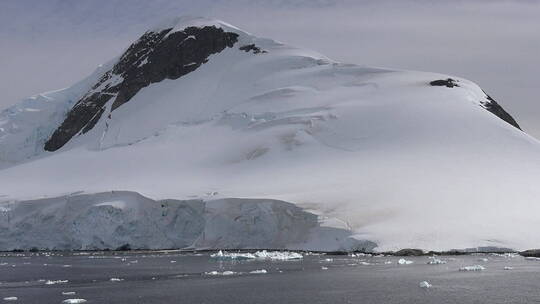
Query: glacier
{"points": [[269, 146]]}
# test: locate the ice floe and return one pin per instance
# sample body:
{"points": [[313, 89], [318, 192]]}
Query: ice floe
{"points": [[11, 299], [435, 261], [74, 301], [259, 271], [260, 255], [472, 268], [54, 282], [404, 262], [224, 273], [68, 293], [425, 284]]}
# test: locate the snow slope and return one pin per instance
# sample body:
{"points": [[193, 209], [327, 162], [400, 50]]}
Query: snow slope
{"points": [[377, 152]]}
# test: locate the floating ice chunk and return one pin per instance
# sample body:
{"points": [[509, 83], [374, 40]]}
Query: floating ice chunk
{"points": [[278, 255], [53, 282], [360, 254], [259, 271], [388, 262], [472, 268], [483, 260], [324, 268], [220, 255], [212, 273], [328, 260], [172, 262], [506, 255], [364, 263], [508, 268], [225, 273], [425, 284], [11, 299], [404, 262], [68, 293], [74, 301], [435, 261], [260, 255], [116, 280]]}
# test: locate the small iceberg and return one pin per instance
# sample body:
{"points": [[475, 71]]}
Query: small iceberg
{"points": [[435, 261], [116, 280], [472, 268], [221, 255], [54, 282], [425, 284], [404, 262], [259, 271], [74, 301], [259, 255], [11, 299], [68, 293], [216, 273]]}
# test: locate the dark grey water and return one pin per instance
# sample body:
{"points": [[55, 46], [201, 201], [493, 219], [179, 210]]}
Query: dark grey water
{"points": [[181, 278]]}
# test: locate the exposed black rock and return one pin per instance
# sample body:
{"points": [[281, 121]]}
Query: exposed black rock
{"points": [[409, 252], [450, 83], [531, 253], [252, 48], [492, 106], [153, 58], [125, 247]]}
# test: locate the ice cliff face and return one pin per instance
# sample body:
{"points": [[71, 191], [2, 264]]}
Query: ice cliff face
{"points": [[197, 109], [121, 219]]}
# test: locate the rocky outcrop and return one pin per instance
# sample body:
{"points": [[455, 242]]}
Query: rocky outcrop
{"points": [[492, 106], [531, 253], [449, 82], [252, 48], [489, 104], [154, 57], [409, 252]]}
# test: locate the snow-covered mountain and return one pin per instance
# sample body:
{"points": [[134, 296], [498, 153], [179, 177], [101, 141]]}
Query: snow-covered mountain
{"points": [[237, 141]]}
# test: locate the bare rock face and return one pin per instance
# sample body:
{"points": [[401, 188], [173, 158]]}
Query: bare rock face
{"points": [[154, 57], [492, 106], [450, 83], [489, 104]]}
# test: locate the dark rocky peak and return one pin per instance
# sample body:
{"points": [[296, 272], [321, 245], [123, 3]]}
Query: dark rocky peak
{"points": [[252, 48], [165, 54], [450, 83], [491, 105]]}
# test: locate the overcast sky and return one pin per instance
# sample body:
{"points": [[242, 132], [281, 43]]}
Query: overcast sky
{"points": [[50, 44]]}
